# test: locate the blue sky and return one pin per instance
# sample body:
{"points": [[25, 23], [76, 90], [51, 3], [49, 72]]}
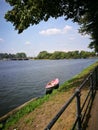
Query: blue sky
{"points": [[54, 35]]}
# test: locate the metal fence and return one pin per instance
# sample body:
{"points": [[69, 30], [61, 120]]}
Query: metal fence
{"points": [[83, 109]]}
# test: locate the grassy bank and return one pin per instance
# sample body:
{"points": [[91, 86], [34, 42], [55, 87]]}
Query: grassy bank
{"points": [[77, 79], [17, 117]]}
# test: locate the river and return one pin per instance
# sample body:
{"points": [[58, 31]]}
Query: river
{"points": [[21, 81]]}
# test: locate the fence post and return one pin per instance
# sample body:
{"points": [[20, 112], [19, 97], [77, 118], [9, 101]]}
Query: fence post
{"points": [[91, 86], [79, 126], [97, 78]]}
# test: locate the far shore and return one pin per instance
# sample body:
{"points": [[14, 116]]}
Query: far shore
{"points": [[22, 59]]}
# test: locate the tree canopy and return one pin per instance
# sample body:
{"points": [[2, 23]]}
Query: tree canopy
{"points": [[29, 12], [20, 55], [65, 55]]}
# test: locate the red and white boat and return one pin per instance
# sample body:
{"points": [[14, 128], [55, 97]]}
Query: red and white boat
{"points": [[54, 84]]}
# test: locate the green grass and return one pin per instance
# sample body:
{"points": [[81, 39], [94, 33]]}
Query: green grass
{"points": [[77, 79], [74, 82], [25, 110]]}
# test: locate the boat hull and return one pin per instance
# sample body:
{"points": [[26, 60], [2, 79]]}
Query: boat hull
{"points": [[51, 86], [49, 90]]}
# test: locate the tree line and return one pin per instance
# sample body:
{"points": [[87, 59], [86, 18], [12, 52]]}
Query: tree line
{"points": [[46, 55], [65, 55], [21, 55]]}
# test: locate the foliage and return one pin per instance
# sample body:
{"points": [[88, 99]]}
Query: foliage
{"points": [[1, 125], [29, 12], [43, 54], [21, 55], [65, 55], [12, 56], [89, 23]]}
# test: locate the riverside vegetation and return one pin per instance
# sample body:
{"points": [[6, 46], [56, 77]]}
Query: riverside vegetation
{"points": [[37, 114], [52, 56], [65, 55]]}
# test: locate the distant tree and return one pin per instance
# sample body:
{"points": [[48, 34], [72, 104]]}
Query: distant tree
{"points": [[21, 55], [56, 55], [76, 54], [12, 56], [69, 55], [85, 54], [2, 55], [43, 55], [65, 55]]}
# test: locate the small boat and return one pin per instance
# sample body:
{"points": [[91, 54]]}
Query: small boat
{"points": [[54, 84]]}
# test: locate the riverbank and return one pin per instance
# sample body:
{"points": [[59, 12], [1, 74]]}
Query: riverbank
{"points": [[37, 114]]}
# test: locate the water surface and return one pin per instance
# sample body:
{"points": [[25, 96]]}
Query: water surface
{"points": [[22, 80]]}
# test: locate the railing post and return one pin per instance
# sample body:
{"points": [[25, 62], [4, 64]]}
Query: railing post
{"points": [[91, 86], [97, 77], [79, 126]]}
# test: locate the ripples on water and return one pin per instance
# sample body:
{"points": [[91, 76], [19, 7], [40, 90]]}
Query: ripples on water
{"points": [[22, 80]]}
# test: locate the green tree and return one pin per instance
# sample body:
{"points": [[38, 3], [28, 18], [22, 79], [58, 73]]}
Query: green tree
{"points": [[85, 54], [65, 55], [12, 56], [43, 55], [29, 12], [75, 54], [3, 55], [21, 55], [56, 55]]}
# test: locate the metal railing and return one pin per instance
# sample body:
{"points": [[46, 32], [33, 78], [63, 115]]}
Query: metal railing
{"points": [[83, 109]]}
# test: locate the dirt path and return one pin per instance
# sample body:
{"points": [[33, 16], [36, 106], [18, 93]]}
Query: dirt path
{"points": [[93, 122], [40, 117]]}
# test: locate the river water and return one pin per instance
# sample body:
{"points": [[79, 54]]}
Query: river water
{"points": [[21, 81]]}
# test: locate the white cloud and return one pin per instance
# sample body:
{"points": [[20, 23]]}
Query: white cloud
{"points": [[1, 40], [51, 31], [27, 43], [67, 28], [54, 31]]}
